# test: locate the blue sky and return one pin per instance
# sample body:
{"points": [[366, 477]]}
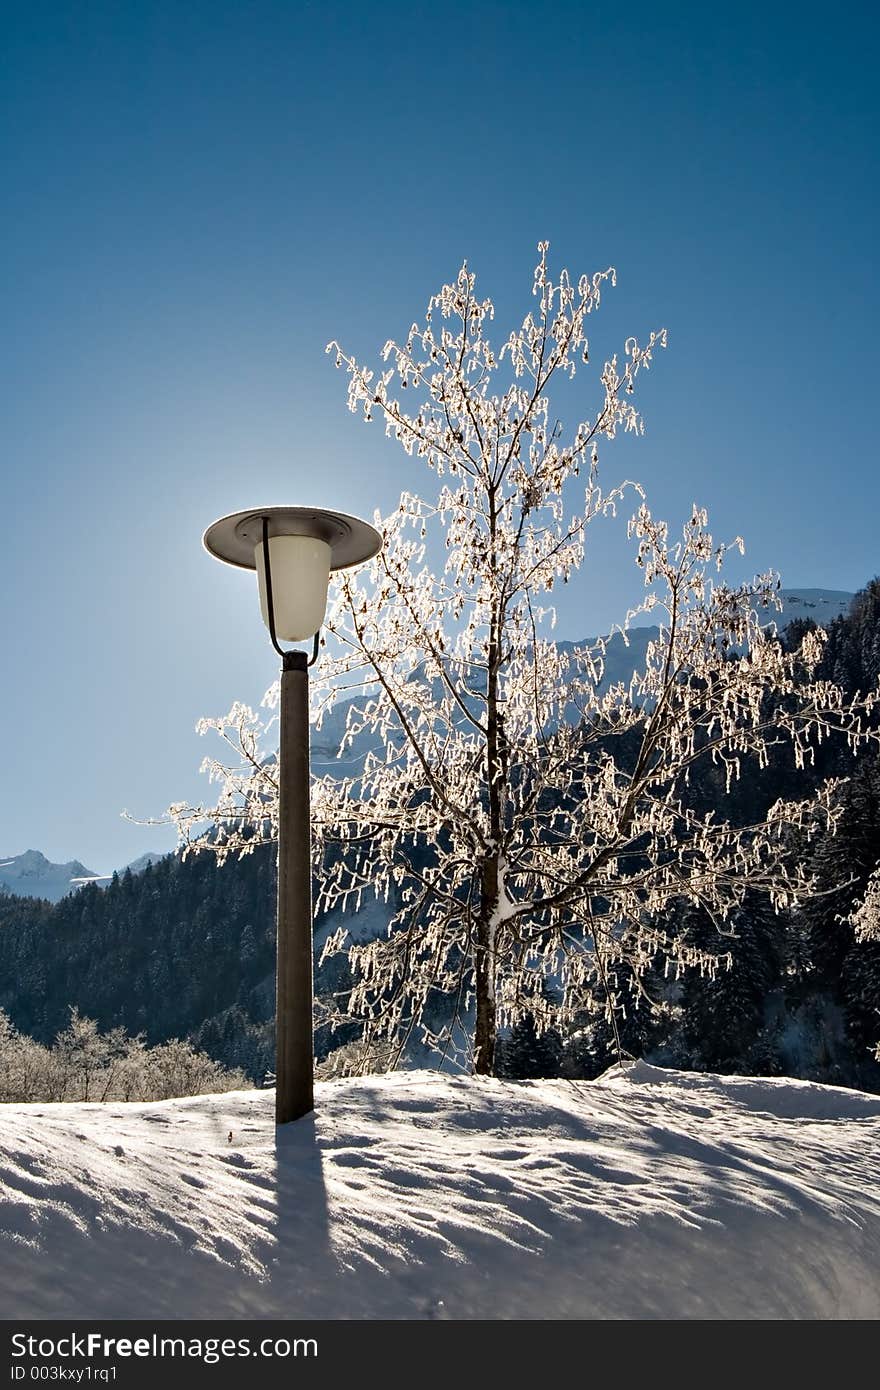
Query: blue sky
{"points": [[197, 197]]}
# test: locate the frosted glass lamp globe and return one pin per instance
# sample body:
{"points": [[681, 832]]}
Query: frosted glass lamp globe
{"points": [[300, 569]]}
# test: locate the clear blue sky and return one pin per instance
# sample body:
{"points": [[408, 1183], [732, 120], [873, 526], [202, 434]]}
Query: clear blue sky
{"points": [[197, 197]]}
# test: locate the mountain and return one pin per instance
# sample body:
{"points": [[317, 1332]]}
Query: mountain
{"points": [[145, 861], [32, 875]]}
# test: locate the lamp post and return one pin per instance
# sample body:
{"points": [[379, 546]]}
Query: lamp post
{"points": [[293, 550]]}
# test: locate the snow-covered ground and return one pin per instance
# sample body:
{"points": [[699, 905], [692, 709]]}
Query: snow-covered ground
{"points": [[648, 1194]]}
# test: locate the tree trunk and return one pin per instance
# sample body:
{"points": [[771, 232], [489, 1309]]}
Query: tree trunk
{"points": [[484, 974], [484, 1030], [484, 944]]}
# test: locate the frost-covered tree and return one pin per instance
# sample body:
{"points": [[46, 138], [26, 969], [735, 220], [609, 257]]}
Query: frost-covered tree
{"points": [[27, 1071], [81, 1053], [865, 916], [176, 1068], [86, 1064], [724, 1017], [524, 819], [863, 974]]}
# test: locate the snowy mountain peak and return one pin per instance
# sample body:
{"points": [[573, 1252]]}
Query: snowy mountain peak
{"points": [[32, 875]]}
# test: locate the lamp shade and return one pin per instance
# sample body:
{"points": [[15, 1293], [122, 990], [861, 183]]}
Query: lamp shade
{"points": [[305, 545], [300, 570]]}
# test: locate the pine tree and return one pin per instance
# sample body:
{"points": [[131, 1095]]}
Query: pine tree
{"points": [[723, 1013], [842, 864], [525, 1054]]}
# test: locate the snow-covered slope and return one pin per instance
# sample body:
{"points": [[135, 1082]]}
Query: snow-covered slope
{"points": [[648, 1194], [822, 605]]}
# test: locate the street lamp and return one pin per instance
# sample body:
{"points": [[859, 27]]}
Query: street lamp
{"points": [[293, 550]]}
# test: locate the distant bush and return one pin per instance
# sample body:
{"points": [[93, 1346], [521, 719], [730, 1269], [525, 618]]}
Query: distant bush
{"points": [[84, 1064], [358, 1058]]}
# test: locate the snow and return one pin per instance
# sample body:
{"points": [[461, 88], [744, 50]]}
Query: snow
{"points": [[647, 1194]]}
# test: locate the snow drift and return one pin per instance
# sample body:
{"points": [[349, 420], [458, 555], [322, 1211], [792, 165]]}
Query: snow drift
{"points": [[647, 1194]]}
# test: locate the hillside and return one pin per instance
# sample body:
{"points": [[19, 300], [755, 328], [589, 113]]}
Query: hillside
{"points": [[647, 1194]]}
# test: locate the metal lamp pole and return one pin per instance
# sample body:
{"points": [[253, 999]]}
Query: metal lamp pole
{"points": [[294, 1068], [293, 550]]}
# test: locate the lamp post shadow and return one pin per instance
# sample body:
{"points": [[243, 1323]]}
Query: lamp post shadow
{"points": [[304, 1254]]}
